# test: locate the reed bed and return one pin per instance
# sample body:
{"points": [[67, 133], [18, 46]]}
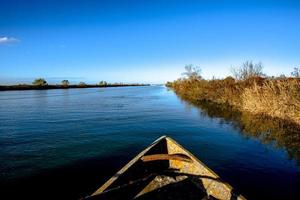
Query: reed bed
{"points": [[278, 98]]}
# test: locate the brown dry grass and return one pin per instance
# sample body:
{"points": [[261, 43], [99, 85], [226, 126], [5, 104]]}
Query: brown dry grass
{"points": [[277, 98], [272, 97]]}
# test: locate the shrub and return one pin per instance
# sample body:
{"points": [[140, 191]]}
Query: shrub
{"points": [[65, 83], [229, 80], [82, 84], [39, 82], [169, 84], [103, 83]]}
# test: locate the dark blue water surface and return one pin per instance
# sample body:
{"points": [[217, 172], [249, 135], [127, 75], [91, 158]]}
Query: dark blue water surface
{"points": [[66, 143]]}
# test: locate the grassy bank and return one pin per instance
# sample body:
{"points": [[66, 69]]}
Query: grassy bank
{"points": [[277, 97], [45, 87], [269, 130]]}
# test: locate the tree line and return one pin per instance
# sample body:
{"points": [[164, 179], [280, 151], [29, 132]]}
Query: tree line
{"points": [[64, 83]]}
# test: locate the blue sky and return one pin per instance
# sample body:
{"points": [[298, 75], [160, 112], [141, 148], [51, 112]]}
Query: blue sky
{"points": [[144, 41]]}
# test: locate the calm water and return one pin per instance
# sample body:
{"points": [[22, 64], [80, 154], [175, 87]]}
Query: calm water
{"points": [[66, 143]]}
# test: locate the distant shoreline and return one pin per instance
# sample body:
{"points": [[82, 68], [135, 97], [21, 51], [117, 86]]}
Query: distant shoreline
{"points": [[47, 87]]}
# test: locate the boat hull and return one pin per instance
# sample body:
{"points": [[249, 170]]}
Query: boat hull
{"points": [[165, 170]]}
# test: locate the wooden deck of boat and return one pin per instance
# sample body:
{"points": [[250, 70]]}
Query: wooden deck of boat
{"points": [[165, 170]]}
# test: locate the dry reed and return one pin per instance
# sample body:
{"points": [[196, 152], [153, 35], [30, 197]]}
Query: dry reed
{"points": [[272, 97]]}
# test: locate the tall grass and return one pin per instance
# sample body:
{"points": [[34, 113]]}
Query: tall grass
{"points": [[278, 98]]}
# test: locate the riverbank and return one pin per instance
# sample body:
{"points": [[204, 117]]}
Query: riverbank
{"points": [[85, 135], [276, 97], [46, 87], [268, 130]]}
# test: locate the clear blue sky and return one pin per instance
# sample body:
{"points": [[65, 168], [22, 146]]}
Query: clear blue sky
{"points": [[144, 41]]}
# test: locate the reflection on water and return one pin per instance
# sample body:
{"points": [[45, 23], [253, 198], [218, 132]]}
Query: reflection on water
{"points": [[280, 133], [67, 143]]}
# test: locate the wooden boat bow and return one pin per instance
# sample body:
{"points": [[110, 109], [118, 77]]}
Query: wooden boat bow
{"points": [[165, 170]]}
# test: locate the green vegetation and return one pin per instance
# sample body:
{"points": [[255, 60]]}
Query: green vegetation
{"points": [[39, 82], [82, 84], [103, 83], [65, 83], [250, 91]]}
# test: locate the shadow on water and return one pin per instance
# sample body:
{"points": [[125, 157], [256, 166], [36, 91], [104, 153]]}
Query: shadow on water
{"points": [[281, 133], [73, 181]]}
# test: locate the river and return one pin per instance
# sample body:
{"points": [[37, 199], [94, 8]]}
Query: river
{"points": [[66, 143]]}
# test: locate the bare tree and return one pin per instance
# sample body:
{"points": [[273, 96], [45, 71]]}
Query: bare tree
{"points": [[248, 70], [296, 72], [192, 72]]}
